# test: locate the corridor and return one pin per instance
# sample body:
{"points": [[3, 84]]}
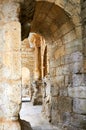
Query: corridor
{"points": [[32, 114]]}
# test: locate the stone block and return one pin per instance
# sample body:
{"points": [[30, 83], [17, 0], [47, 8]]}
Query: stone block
{"points": [[69, 37], [9, 101], [77, 92], [12, 65], [11, 10], [60, 52], [79, 106], [76, 56], [12, 36], [53, 71], [54, 89], [65, 28], [67, 79], [61, 3], [77, 67], [9, 125], [62, 104], [67, 59], [63, 70], [63, 92], [78, 121], [78, 80], [55, 117]]}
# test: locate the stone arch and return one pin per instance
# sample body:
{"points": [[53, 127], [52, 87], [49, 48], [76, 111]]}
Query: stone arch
{"points": [[63, 37], [73, 8]]}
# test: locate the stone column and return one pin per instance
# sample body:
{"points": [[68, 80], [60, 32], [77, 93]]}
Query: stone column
{"points": [[36, 72], [10, 75]]}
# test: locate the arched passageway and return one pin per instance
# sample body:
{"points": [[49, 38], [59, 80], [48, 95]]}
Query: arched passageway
{"points": [[60, 25], [58, 22]]}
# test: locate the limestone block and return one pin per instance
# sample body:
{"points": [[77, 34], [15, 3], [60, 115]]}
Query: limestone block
{"points": [[67, 59], [62, 60], [60, 52], [10, 10], [25, 76], [53, 71], [61, 3], [85, 65], [61, 81], [76, 56], [55, 117], [78, 67], [63, 92], [78, 121], [9, 125], [79, 32], [1, 39], [10, 103], [78, 80], [67, 80], [84, 13], [66, 116], [52, 63], [12, 36], [12, 71], [54, 103], [54, 89], [69, 37], [65, 28], [63, 70], [62, 104], [77, 92], [79, 106]]}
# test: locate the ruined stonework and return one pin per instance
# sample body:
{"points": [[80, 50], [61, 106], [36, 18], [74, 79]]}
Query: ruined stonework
{"points": [[54, 46], [66, 66]]}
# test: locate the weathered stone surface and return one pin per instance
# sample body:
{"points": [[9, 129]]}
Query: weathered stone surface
{"points": [[77, 56], [10, 11], [9, 125], [62, 104], [77, 92], [10, 81], [78, 67], [79, 106], [60, 52], [78, 80], [63, 92], [78, 121], [54, 89]]}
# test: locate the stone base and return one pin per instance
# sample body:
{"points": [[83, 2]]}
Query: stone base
{"points": [[10, 125]]}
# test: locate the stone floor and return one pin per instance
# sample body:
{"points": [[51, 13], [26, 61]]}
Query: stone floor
{"points": [[33, 115]]}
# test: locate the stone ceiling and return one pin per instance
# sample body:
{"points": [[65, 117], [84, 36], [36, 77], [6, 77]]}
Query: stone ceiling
{"points": [[41, 17], [48, 17]]}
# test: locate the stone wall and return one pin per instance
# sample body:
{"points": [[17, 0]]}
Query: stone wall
{"points": [[66, 71], [67, 102]]}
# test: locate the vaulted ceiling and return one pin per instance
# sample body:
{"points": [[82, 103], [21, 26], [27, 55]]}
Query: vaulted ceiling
{"points": [[41, 17]]}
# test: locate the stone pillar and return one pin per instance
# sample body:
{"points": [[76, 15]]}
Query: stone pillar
{"points": [[36, 71], [10, 75]]}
